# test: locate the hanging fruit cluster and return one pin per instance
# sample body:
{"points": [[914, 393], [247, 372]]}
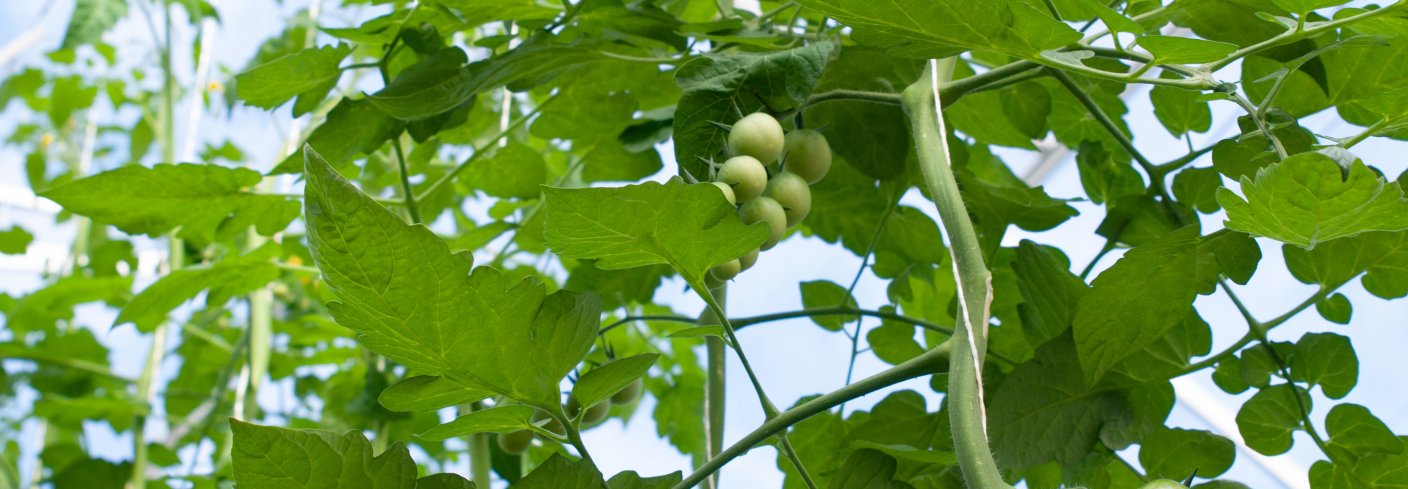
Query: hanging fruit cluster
{"points": [[768, 177], [516, 442]]}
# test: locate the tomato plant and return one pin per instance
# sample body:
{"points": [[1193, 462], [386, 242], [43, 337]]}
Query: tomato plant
{"points": [[486, 232]]}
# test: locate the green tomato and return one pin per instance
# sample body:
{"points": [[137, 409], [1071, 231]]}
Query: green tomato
{"points": [[1163, 484], [807, 154], [746, 261], [629, 393], [552, 425], [728, 192], [726, 271], [765, 209], [757, 135], [792, 192], [515, 442], [745, 175], [594, 414]]}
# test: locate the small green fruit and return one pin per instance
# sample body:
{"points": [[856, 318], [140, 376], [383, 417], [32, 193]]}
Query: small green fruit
{"points": [[552, 425], [807, 154], [726, 271], [728, 192], [792, 192], [757, 135], [745, 175], [594, 414], [515, 442], [746, 261], [629, 393], [765, 209]]}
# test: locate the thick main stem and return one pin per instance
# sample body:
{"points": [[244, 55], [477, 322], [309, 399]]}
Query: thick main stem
{"points": [[965, 389], [714, 386]]}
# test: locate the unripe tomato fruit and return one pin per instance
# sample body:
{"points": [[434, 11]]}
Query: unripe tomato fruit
{"points": [[1162, 484], [728, 192], [745, 175], [552, 425], [515, 442], [629, 393], [757, 135], [807, 154], [746, 261], [792, 192], [726, 271], [765, 209], [594, 414]]}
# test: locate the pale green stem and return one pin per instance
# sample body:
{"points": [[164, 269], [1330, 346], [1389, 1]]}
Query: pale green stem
{"points": [[965, 389]]}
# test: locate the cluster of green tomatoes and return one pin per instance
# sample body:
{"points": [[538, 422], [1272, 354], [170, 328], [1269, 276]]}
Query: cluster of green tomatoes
{"points": [[516, 442], [768, 177]]}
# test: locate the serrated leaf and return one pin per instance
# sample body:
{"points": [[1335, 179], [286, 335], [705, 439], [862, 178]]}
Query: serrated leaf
{"points": [[1150, 290], [1381, 257], [424, 393], [410, 299], [1326, 360], [199, 201], [689, 227], [92, 18], [1175, 453], [308, 73], [1305, 201], [877, 139], [560, 473], [436, 84], [1008, 27], [514, 171], [225, 279], [42, 309], [267, 457], [1050, 292], [605, 381], [1267, 420], [498, 419], [821, 294], [354, 127]]}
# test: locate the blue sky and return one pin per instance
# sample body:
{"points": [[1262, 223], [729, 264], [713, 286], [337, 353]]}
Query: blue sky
{"points": [[793, 358]]}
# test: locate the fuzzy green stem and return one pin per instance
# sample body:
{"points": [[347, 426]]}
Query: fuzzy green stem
{"points": [[411, 207], [714, 387], [1296, 34], [927, 363], [965, 389]]}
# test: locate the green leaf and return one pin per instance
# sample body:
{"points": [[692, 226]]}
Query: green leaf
{"points": [[1197, 187], [1304, 6], [1335, 308], [1008, 27], [605, 381], [690, 227], [514, 170], [308, 74], [1375, 471], [631, 480], [876, 136], [436, 84], [609, 161], [410, 299], [1326, 360], [476, 12], [721, 88], [1381, 257], [498, 419], [201, 202], [15, 241], [1354, 429], [825, 294], [1306, 201], [1173, 50], [1242, 156], [1267, 420], [444, 481], [1180, 111], [352, 128], [1228, 376], [617, 288], [92, 18], [560, 473], [1050, 292], [1043, 411], [1103, 177], [1175, 453], [893, 342], [267, 457], [42, 309], [698, 331], [225, 279], [865, 469], [1150, 290], [424, 393]]}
